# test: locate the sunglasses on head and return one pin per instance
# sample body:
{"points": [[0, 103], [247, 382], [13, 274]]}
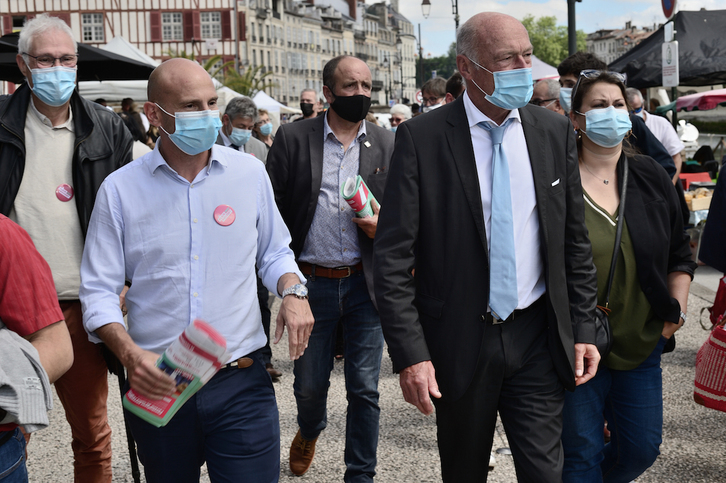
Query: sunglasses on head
{"points": [[594, 74]]}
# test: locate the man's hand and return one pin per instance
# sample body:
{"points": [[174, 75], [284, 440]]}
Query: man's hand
{"points": [[294, 313], [587, 358], [147, 379], [418, 383], [368, 225], [122, 300]]}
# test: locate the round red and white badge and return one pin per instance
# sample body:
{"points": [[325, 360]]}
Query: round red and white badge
{"points": [[64, 192], [224, 215]]}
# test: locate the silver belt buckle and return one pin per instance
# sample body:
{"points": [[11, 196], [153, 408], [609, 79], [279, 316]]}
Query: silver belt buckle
{"points": [[495, 319], [350, 272]]}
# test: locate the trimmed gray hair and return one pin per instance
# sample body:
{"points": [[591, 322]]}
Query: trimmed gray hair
{"points": [[553, 88], [633, 94], [401, 109], [39, 25], [241, 107], [466, 40]]}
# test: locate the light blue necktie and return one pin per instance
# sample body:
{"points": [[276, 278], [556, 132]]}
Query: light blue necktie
{"points": [[502, 262]]}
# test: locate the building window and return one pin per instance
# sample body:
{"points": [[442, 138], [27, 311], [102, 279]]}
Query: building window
{"points": [[92, 27], [211, 25], [171, 26], [254, 58]]}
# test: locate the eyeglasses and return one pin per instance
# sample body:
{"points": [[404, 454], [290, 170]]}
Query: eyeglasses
{"points": [[594, 74], [541, 102], [45, 61], [432, 100]]}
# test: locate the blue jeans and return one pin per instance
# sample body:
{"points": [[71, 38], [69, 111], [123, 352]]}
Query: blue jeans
{"points": [[12, 459], [632, 404], [232, 423], [331, 300]]}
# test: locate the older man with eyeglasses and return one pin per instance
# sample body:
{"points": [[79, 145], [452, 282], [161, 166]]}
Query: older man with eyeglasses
{"points": [[55, 150]]}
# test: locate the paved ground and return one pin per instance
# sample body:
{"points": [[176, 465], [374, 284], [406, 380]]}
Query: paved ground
{"points": [[692, 451]]}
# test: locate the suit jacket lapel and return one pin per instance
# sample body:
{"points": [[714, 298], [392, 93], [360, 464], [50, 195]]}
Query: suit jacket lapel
{"points": [[366, 154], [540, 158], [315, 145], [459, 138]]}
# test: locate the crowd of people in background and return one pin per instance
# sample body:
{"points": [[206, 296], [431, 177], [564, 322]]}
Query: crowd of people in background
{"points": [[121, 227]]}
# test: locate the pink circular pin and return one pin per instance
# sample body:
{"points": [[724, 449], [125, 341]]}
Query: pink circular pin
{"points": [[224, 215], [64, 192]]}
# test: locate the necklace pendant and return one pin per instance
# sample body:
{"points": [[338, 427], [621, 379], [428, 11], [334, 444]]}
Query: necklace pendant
{"points": [[606, 181]]}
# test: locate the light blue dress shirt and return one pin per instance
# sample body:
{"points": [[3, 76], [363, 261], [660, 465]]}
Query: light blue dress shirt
{"points": [[153, 227]]}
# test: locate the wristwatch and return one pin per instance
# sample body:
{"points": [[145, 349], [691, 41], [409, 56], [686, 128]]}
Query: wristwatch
{"points": [[298, 290], [684, 317]]}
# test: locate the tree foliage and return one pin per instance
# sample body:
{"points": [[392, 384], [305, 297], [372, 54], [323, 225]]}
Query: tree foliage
{"points": [[248, 83], [550, 40], [444, 65]]}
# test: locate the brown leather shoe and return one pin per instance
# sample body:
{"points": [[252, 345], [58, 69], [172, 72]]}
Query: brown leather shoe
{"points": [[274, 373], [301, 454]]}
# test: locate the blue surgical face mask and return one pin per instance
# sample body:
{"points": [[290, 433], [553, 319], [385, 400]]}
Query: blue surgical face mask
{"points": [[266, 129], [54, 85], [393, 128], [606, 127], [512, 88], [195, 132], [240, 136], [566, 98]]}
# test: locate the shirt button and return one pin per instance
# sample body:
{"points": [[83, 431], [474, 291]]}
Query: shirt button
{"points": [[191, 185], [196, 294], [345, 249], [342, 209], [196, 257], [343, 229], [195, 220]]}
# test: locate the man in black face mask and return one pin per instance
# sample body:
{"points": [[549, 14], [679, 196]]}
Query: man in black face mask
{"points": [[308, 104], [307, 164]]}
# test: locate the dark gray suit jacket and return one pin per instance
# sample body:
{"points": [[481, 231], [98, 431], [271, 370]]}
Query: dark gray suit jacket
{"points": [[295, 166], [433, 221]]}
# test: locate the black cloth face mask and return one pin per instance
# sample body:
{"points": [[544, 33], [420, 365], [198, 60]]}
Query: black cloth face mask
{"points": [[307, 109], [351, 108]]}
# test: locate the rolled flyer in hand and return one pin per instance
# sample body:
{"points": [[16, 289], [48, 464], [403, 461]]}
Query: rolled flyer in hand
{"points": [[359, 197], [191, 360]]}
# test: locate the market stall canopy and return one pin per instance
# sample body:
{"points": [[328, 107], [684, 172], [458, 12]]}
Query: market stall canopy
{"points": [[542, 70], [701, 52], [93, 63], [701, 101], [263, 101]]}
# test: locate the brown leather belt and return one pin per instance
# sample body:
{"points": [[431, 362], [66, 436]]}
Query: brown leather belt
{"points": [[241, 363], [337, 272], [517, 313]]}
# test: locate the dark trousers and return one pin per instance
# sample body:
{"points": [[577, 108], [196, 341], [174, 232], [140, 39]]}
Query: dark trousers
{"points": [[515, 375], [232, 424]]}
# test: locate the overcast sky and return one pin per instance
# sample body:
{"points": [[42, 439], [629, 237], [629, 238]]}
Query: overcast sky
{"points": [[438, 31]]}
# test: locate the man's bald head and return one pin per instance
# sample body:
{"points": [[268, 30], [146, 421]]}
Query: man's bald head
{"points": [[174, 74], [479, 36]]}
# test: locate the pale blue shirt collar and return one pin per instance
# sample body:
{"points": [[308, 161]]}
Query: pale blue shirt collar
{"points": [[475, 116], [359, 137], [155, 160]]}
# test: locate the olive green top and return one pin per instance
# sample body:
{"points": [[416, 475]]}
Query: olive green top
{"points": [[636, 329]]}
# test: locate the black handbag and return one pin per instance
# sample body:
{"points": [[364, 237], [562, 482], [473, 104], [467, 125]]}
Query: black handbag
{"points": [[603, 334]]}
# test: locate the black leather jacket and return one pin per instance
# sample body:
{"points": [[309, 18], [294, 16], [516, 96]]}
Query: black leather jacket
{"points": [[103, 144]]}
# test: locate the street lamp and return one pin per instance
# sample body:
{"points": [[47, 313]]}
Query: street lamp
{"points": [[426, 10], [387, 63], [399, 47]]}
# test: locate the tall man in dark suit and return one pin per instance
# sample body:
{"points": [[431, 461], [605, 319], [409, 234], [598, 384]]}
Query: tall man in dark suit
{"points": [[486, 324], [308, 163]]}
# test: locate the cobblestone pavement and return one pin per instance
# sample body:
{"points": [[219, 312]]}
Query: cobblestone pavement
{"points": [[692, 449]]}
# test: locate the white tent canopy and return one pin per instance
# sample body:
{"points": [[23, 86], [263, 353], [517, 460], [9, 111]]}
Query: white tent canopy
{"points": [[542, 70], [121, 46], [263, 101]]}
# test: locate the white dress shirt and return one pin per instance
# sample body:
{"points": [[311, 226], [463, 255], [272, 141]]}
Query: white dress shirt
{"points": [[530, 267]]}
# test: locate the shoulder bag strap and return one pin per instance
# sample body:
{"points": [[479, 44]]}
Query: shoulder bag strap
{"points": [[619, 230]]}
